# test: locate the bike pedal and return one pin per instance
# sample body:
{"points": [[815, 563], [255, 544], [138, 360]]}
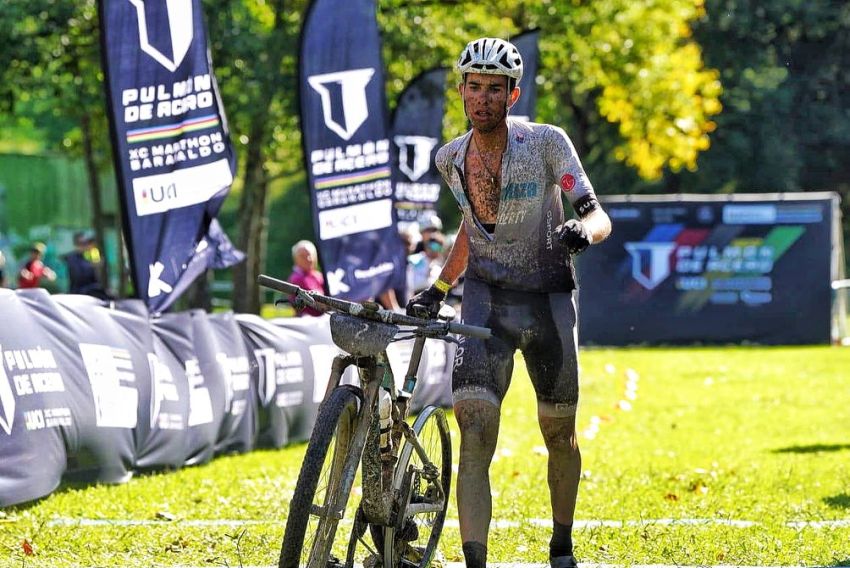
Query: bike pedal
{"points": [[334, 562]]}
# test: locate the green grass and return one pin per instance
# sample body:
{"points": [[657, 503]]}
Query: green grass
{"points": [[735, 434]]}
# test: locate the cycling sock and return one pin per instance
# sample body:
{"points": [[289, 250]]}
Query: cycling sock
{"points": [[562, 540], [475, 554]]}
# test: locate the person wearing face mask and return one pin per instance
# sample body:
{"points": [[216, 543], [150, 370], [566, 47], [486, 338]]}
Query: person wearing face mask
{"points": [[516, 248], [424, 267]]}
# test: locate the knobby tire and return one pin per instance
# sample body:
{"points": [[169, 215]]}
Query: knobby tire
{"points": [[344, 404]]}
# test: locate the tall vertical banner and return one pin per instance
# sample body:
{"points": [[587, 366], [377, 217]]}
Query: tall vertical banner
{"points": [[347, 148], [417, 128], [173, 156], [527, 45]]}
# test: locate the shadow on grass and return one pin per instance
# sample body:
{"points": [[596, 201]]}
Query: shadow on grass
{"points": [[812, 449], [840, 501]]}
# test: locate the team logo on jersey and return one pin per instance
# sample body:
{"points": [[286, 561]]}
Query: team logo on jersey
{"points": [[650, 262], [167, 46], [344, 104], [414, 155], [568, 182]]}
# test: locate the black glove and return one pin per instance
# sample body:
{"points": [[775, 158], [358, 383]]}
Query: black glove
{"points": [[426, 303], [575, 235]]}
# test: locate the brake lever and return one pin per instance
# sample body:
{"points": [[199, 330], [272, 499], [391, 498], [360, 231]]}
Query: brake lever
{"points": [[302, 300]]}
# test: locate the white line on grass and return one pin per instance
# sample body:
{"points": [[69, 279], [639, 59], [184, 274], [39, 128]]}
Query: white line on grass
{"points": [[581, 565], [496, 523]]}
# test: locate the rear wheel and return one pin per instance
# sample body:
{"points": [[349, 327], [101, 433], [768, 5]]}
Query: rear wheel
{"points": [[424, 494], [318, 504]]}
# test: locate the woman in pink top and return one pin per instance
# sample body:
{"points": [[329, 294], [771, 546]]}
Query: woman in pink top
{"points": [[304, 273]]}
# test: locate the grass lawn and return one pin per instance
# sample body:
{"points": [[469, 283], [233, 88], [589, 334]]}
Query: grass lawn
{"points": [[691, 456]]}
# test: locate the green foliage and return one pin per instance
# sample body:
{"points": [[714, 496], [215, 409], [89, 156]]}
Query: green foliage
{"points": [[633, 83], [50, 75], [634, 64], [786, 125], [707, 436], [255, 85]]}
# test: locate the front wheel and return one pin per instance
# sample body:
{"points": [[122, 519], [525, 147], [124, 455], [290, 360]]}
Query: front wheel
{"points": [[423, 488], [320, 497]]}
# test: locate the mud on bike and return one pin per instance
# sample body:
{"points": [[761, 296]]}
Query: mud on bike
{"points": [[405, 470]]}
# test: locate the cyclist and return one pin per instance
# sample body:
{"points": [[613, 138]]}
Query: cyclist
{"points": [[507, 176]]}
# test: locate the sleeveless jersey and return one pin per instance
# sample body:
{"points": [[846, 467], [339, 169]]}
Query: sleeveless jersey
{"points": [[523, 253]]}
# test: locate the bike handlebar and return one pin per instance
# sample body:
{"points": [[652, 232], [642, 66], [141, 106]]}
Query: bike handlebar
{"points": [[369, 310]]}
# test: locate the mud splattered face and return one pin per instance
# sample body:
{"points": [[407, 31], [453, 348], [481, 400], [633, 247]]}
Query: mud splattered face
{"points": [[486, 99]]}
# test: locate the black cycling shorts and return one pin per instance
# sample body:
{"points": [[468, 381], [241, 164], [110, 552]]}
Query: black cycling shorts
{"points": [[541, 325]]}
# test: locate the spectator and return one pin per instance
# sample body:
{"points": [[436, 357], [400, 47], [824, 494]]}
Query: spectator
{"points": [[34, 269], [424, 267], [409, 238], [82, 267], [305, 274], [2, 270], [428, 227]]}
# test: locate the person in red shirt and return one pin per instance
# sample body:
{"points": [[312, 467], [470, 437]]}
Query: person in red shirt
{"points": [[34, 269], [304, 273]]}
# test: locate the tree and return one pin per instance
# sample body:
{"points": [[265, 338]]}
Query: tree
{"points": [[254, 46], [52, 70], [630, 64], [635, 95], [786, 73]]}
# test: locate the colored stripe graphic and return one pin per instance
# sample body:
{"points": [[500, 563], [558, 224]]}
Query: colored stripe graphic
{"points": [[779, 238], [172, 130], [348, 179]]}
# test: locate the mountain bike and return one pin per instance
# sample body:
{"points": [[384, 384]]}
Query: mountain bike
{"points": [[404, 470]]}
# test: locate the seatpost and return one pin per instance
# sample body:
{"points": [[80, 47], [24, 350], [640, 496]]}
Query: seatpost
{"points": [[413, 367]]}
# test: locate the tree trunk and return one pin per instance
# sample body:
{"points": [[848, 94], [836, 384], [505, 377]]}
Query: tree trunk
{"points": [[252, 221], [252, 228], [95, 197]]}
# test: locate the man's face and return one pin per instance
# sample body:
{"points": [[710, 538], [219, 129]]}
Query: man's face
{"points": [[485, 99], [304, 259]]}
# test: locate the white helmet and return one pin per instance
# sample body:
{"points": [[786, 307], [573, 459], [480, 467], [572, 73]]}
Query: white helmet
{"points": [[491, 56]]}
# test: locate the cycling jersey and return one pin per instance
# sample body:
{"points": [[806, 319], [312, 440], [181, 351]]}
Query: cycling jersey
{"points": [[523, 252]]}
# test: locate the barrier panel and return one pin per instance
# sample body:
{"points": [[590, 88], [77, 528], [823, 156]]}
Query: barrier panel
{"points": [[239, 427], [34, 413], [180, 339], [712, 269], [102, 369], [92, 391]]}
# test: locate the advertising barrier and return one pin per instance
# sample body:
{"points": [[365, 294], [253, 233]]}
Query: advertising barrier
{"points": [[95, 392], [712, 269]]}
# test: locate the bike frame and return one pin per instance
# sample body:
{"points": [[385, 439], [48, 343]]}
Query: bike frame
{"points": [[376, 375]]}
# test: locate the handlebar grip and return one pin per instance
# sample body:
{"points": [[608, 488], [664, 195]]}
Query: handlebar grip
{"points": [[279, 285], [470, 330]]}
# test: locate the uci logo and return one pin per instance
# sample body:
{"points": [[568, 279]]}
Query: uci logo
{"points": [[414, 155], [344, 104], [168, 49]]}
